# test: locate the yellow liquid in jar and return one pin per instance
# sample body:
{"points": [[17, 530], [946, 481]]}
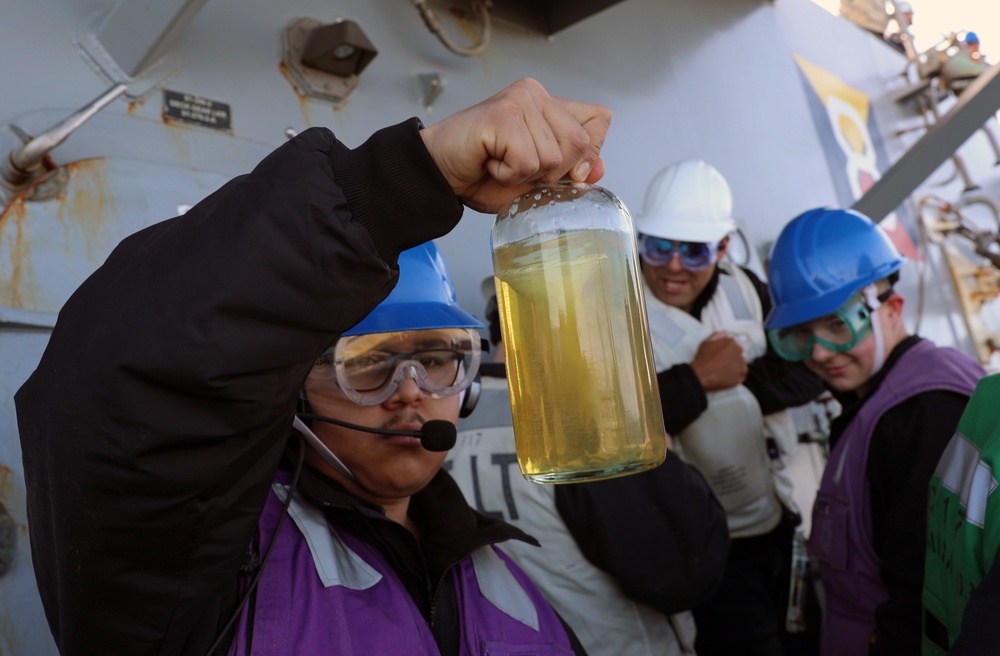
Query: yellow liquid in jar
{"points": [[579, 365]]}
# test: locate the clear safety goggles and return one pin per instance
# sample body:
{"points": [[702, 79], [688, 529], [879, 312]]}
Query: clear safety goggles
{"points": [[695, 256], [837, 332], [370, 368]]}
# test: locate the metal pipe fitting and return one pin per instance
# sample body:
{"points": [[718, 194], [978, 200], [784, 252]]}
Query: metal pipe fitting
{"points": [[22, 164]]}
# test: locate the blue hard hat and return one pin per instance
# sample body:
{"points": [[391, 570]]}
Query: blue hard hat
{"points": [[822, 258], [424, 298], [971, 37]]}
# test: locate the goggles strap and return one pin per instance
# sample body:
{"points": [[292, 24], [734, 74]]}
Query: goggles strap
{"points": [[873, 302]]}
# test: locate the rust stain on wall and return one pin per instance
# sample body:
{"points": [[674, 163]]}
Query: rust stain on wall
{"points": [[12, 493], [468, 22], [178, 134], [303, 98], [462, 18], [15, 286], [87, 204], [7, 484], [81, 212]]}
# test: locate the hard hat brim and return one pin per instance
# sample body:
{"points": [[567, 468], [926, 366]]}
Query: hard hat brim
{"points": [[422, 316], [685, 230], [803, 311]]}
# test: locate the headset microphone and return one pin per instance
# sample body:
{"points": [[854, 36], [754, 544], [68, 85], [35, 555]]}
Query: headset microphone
{"points": [[438, 435], [435, 435]]}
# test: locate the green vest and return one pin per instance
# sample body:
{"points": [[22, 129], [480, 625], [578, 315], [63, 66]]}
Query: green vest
{"points": [[963, 521]]}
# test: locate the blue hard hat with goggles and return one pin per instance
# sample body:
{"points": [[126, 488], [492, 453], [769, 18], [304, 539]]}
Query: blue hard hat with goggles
{"points": [[838, 332], [694, 256], [418, 330]]}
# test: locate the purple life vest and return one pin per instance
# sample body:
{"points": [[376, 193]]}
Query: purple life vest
{"points": [[325, 591], [841, 534]]}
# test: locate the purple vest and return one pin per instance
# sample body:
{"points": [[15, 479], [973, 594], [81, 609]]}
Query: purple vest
{"points": [[841, 534], [324, 591]]}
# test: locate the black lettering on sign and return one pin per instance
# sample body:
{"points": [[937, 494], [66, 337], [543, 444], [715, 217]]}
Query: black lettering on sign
{"points": [[504, 461], [193, 110], [477, 492]]}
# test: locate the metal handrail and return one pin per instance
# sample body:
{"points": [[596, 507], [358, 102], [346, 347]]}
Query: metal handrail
{"points": [[22, 164]]}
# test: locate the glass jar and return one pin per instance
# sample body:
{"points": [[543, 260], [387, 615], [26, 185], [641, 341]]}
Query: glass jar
{"points": [[580, 366]]}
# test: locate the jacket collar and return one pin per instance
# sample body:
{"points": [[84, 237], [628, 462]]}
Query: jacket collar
{"points": [[450, 529]]}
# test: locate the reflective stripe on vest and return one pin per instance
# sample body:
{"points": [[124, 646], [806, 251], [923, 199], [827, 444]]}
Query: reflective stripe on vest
{"points": [[325, 590], [963, 518], [337, 564], [963, 472]]}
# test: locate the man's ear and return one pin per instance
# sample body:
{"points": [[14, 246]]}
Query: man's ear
{"points": [[723, 245], [894, 312], [896, 304]]}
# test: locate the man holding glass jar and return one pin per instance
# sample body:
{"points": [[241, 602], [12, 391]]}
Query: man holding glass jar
{"points": [[725, 396], [154, 427]]}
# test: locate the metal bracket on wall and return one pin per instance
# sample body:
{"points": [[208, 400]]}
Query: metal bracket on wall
{"points": [[975, 285], [480, 7], [312, 82], [29, 165], [431, 85], [972, 256], [978, 103]]}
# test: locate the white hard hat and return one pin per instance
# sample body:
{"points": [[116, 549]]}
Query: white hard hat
{"points": [[687, 201], [904, 8]]}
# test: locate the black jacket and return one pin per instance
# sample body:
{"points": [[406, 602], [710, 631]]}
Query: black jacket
{"points": [[158, 414], [661, 534], [977, 637]]}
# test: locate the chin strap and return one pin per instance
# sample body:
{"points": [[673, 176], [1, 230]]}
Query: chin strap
{"points": [[324, 451], [871, 300]]}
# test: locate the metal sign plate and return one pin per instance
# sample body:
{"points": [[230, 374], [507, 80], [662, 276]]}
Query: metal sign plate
{"points": [[194, 110]]}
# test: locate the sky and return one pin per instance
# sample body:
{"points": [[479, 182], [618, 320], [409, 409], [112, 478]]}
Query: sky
{"points": [[933, 19]]}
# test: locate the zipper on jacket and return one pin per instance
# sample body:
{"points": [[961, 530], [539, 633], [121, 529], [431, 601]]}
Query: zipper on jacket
{"points": [[447, 572]]}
